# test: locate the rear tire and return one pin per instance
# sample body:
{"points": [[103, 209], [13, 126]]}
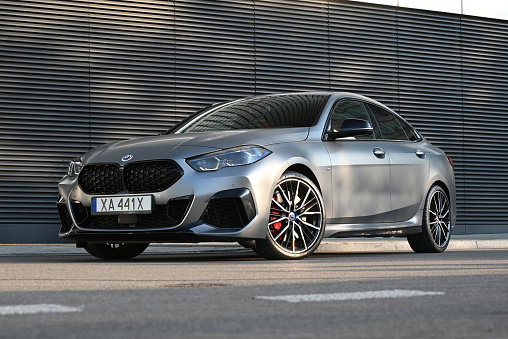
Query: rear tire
{"points": [[115, 251], [297, 219], [436, 226]]}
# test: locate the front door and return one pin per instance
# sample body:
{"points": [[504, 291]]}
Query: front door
{"points": [[360, 171]]}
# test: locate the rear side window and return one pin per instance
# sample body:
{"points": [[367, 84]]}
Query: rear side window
{"points": [[389, 125], [411, 134]]}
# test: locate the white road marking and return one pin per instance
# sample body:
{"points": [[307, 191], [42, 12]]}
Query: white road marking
{"points": [[38, 308], [349, 296]]}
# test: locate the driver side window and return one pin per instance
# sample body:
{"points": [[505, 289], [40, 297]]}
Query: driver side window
{"points": [[349, 109]]}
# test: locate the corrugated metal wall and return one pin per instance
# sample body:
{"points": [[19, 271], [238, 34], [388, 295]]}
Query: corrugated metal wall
{"points": [[75, 74]]}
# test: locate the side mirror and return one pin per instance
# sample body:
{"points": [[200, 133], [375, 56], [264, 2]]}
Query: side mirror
{"points": [[351, 128]]}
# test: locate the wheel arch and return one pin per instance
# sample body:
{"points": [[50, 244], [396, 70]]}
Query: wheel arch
{"points": [[300, 168], [450, 193], [442, 185]]}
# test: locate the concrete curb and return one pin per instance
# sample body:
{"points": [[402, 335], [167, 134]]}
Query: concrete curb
{"points": [[467, 242], [362, 245]]}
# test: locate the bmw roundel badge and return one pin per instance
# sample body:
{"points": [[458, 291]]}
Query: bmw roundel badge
{"points": [[127, 157]]}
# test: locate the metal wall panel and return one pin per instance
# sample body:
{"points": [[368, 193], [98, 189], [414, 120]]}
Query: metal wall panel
{"points": [[75, 74], [429, 82], [485, 114], [44, 108], [363, 51], [132, 73], [291, 46], [214, 52]]}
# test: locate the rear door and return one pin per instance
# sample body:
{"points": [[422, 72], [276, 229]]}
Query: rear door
{"points": [[409, 164]]}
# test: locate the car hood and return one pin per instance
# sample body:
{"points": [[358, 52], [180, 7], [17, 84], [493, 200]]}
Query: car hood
{"points": [[177, 146]]}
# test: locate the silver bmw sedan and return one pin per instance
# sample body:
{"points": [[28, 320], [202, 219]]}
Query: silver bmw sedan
{"points": [[275, 173]]}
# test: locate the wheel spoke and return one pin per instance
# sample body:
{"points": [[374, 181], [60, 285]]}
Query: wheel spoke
{"points": [[293, 234], [308, 202], [282, 232], [280, 206], [296, 194], [444, 215], [444, 227], [304, 201], [436, 234], [307, 224], [304, 213], [312, 206], [303, 237], [291, 194], [310, 234], [284, 195], [435, 210], [442, 203], [275, 221]]}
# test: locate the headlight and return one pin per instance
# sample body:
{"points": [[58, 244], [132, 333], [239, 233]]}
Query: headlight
{"points": [[75, 167], [230, 157]]}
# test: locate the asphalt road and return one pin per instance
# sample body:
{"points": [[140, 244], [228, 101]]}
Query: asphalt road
{"points": [[456, 294]]}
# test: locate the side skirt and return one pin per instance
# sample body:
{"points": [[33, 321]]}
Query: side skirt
{"points": [[386, 233]]}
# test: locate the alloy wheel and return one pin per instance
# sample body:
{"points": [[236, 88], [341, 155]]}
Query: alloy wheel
{"points": [[439, 218], [296, 216]]}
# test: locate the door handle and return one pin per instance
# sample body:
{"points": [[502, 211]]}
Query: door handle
{"points": [[420, 154], [379, 152]]}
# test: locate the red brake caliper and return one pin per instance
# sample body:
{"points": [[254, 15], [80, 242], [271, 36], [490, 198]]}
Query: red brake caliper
{"points": [[274, 228]]}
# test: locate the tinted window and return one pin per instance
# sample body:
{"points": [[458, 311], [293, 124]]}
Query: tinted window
{"points": [[388, 124], [349, 109], [410, 132], [276, 111]]}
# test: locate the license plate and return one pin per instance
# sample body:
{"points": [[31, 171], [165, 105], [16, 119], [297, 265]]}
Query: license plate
{"points": [[132, 204]]}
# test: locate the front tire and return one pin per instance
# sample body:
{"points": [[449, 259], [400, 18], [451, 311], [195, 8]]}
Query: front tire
{"points": [[115, 251], [436, 226], [297, 219]]}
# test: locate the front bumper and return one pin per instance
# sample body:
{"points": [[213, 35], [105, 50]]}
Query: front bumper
{"points": [[227, 205]]}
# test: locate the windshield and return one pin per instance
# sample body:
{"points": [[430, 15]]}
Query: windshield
{"points": [[275, 111]]}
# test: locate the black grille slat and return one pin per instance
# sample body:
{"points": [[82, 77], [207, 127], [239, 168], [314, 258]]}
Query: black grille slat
{"points": [[158, 219], [138, 177], [223, 213], [100, 179], [105, 222], [65, 217], [177, 208], [152, 176]]}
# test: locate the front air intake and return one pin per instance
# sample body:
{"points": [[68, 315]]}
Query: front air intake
{"points": [[230, 209]]}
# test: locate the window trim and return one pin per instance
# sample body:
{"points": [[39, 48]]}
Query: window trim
{"points": [[328, 119]]}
